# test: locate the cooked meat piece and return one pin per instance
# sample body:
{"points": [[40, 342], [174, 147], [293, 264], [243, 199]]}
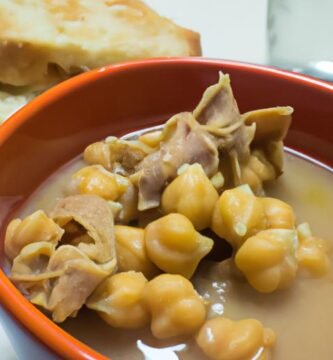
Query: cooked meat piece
{"points": [[184, 141], [242, 139], [31, 264], [218, 107], [272, 124], [80, 276], [151, 180], [91, 218], [265, 162], [216, 133], [219, 114], [34, 228], [98, 153], [58, 280], [216, 136], [129, 205], [29, 271]]}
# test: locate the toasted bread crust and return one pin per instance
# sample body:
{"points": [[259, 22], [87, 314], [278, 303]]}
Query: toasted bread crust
{"points": [[77, 35]]}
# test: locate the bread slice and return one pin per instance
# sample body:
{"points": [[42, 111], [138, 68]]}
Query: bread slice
{"points": [[12, 99], [10, 103], [40, 37]]}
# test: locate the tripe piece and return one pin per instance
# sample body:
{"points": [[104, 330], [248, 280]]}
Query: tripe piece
{"points": [[88, 224], [34, 228]]}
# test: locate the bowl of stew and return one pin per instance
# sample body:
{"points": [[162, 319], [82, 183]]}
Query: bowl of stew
{"points": [[170, 209]]}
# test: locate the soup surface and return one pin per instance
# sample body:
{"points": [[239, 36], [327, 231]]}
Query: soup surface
{"points": [[301, 316]]}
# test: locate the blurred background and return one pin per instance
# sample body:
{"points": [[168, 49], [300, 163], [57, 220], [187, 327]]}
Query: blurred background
{"points": [[292, 34], [229, 29]]}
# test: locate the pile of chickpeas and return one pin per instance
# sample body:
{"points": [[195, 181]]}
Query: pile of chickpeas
{"points": [[268, 250], [150, 285]]}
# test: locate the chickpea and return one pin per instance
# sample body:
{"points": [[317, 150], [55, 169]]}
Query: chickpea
{"points": [[279, 215], [312, 253], [174, 246], [256, 171], [119, 300], [223, 339], [193, 195], [175, 306], [151, 139], [131, 251], [34, 228], [238, 214], [116, 154], [268, 259], [249, 177], [95, 180], [126, 154], [275, 155], [218, 181], [98, 153]]}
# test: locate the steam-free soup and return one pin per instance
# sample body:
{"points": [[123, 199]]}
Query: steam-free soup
{"points": [[301, 316], [185, 241]]}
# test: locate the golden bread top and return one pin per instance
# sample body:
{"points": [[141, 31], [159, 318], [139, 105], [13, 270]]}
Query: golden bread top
{"points": [[39, 38]]}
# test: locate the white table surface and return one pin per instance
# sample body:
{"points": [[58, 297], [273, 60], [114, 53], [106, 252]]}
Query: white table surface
{"points": [[230, 29]]}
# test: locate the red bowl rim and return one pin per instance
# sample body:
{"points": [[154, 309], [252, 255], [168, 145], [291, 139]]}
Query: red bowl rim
{"points": [[16, 304]]}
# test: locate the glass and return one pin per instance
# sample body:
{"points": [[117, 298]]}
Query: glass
{"points": [[300, 36]]}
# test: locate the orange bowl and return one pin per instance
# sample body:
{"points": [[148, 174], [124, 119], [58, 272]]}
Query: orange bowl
{"points": [[115, 100]]}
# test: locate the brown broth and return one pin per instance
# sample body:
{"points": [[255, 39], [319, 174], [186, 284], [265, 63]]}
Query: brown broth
{"points": [[301, 316]]}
